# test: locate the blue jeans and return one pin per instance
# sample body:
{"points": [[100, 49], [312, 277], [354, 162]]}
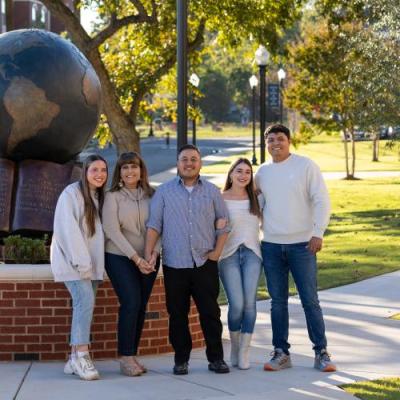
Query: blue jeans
{"points": [[278, 260], [239, 274], [83, 295]]}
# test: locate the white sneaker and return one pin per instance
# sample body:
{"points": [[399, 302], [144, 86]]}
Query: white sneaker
{"points": [[68, 367], [83, 366]]}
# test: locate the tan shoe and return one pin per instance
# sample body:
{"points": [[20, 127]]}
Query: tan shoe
{"points": [[140, 365], [129, 368]]}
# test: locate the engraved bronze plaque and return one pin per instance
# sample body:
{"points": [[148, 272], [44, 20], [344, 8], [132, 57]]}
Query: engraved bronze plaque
{"points": [[7, 169], [39, 185]]}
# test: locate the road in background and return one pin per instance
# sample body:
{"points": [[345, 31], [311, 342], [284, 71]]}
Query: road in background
{"points": [[160, 157]]}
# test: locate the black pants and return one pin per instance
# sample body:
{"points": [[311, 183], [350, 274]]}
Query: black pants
{"points": [[133, 290], [201, 283]]}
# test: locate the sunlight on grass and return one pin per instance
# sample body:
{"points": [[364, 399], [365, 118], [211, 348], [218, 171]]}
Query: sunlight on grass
{"points": [[380, 389], [327, 152], [363, 235]]}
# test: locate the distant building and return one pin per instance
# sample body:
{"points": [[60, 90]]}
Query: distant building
{"points": [[32, 14]]}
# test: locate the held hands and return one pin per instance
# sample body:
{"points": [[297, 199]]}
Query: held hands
{"points": [[144, 266], [314, 245], [153, 259]]}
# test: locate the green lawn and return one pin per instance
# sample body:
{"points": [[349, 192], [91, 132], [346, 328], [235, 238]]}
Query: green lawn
{"points": [[380, 389], [363, 235], [328, 153]]}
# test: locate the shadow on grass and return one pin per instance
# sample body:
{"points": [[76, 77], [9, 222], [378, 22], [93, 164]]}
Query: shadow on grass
{"points": [[372, 220]]}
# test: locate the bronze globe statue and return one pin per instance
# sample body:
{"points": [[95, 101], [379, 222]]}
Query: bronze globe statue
{"points": [[50, 97], [50, 100]]}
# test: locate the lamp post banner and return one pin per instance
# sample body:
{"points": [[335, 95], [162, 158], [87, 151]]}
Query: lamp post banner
{"points": [[273, 95]]}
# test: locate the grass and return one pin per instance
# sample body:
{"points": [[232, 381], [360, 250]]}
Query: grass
{"points": [[328, 153], [361, 241], [380, 389]]}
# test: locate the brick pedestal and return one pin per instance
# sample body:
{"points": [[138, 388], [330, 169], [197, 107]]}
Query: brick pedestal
{"points": [[35, 318]]}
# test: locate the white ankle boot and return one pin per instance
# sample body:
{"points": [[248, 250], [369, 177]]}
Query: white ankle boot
{"points": [[235, 337], [244, 347]]}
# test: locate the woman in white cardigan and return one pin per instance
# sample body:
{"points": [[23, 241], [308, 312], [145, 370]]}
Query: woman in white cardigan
{"points": [[240, 261], [77, 256]]}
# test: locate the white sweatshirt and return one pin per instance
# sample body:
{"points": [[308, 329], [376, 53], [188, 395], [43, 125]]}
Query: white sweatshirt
{"points": [[297, 204], [73, 254]]}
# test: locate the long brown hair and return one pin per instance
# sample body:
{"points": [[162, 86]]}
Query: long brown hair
{"points": [[250, 187], [90, 210], [131, 158]]}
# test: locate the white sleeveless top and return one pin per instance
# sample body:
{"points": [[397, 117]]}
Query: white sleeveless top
{"points": [[245, 228]]}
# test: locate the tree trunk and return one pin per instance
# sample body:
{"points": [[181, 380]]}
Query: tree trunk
{"points": [[346, 153], [375, 148], [122, 127], [353, 155]]}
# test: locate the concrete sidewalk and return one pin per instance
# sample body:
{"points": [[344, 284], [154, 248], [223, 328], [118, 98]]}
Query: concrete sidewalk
{"points": [[364, 343]]}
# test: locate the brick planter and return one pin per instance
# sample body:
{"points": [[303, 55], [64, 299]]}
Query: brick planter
{"points": [[35, 318]]}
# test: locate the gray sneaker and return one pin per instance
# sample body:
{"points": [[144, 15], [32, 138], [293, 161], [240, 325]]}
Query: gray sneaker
{"points": [[323, 362], [280, 360]]}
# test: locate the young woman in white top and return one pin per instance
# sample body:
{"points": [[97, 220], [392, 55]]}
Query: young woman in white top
{"points": [[240, 261], [77, 256]]}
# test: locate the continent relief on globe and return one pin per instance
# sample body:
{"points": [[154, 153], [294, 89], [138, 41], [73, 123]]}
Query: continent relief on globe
{"points": [[36, 186], [30, 110]]}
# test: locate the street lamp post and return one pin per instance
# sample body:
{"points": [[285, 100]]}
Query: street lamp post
{"points": [[261, 58], [253, 84], [181, 50], [281, 77], [194, 80]]}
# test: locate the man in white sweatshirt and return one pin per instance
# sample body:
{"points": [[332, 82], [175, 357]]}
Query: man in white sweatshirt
{"points": [[295, 216]]}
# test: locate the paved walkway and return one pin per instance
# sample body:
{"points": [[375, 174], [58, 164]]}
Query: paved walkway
{"points": [[364, 342]]}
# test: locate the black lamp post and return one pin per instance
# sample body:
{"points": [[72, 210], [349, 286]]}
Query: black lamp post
{"points": [[281, 77], [253, 84], [261, 58], [181, 55], [151, 115], [194, 80]]}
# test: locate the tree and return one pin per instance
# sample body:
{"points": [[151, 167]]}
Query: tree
{"points": [[135, 45], [216, 101], [342, 74]]}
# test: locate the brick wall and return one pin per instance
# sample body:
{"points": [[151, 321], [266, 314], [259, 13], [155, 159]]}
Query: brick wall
{"points": [[35, 319]]}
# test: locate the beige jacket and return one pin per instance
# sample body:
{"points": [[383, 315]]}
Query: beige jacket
{"points": [[73, 254], [125, 214]]}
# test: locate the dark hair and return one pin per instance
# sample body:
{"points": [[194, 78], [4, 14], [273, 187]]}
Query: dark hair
{"points": [[250, 188], [277, 128], [90, 210], [188, 147], [131, 158]]}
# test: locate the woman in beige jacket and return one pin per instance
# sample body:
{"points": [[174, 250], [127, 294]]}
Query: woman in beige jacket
{"points": [[125, 213]]}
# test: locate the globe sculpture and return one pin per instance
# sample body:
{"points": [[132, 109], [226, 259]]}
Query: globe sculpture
{"points": [[50, 97]]}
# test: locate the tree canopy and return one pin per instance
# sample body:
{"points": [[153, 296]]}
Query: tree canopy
{"points": [[134, 45]]}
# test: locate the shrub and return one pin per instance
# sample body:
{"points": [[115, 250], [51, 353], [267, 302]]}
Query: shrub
{"points": [[23, 250]]}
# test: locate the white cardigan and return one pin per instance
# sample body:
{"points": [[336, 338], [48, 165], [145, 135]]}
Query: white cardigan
{"points": [[73, 254]]}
